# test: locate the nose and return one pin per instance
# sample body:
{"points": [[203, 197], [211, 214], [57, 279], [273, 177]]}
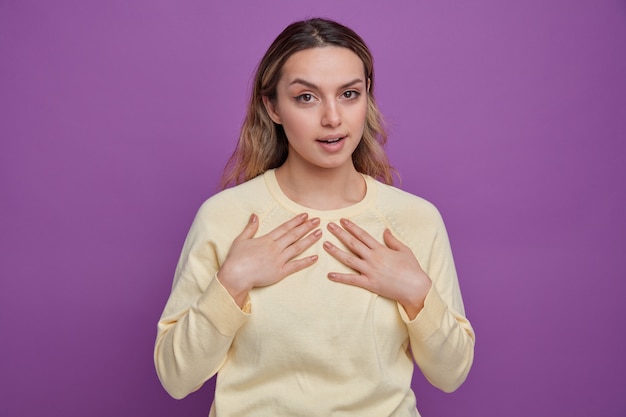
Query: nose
{"points": [[330, 115]]}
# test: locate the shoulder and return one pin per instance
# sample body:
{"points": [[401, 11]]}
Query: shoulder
{"points": [[237, 202], [407, 215], [400, 203]]}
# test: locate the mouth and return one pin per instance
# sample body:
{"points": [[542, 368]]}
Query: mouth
{"points": [[330, 141]]}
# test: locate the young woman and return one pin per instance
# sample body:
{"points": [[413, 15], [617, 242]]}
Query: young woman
{"points": [[312, 286]]}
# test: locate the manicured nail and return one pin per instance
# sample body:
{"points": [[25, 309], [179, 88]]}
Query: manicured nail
{"points": [[315, 221], [345, 222], [332, 226]]}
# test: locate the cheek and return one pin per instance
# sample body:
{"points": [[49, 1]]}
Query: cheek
{"points": [[290, 122], [298, 121], [360, 115], [296, 129]]}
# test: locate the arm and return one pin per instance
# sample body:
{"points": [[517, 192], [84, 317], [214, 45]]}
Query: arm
{"points": [[200, 318], [429, 300], [204, 311], [442, 339]]}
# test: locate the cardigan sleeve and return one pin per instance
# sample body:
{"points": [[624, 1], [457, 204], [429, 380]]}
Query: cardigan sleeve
{"points": [[200, 318], [441, 337]]}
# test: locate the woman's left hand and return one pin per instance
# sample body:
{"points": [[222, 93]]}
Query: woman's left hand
{"points": [[390, 270]]}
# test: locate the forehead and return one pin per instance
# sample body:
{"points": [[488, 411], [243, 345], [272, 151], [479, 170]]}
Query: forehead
{"points": [[323, 65]]}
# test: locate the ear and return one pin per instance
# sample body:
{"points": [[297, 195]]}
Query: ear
{"points": [[369, 84], [271, 108]]}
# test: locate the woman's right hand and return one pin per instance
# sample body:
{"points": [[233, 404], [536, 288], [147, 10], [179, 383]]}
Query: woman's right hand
{"points": [[258, 262]]}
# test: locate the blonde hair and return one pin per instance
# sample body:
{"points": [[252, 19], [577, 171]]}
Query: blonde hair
{"points": [[262, 143]]}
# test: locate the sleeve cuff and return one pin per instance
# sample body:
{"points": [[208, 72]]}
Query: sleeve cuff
{"points": [[219, 308], [428, 320]]}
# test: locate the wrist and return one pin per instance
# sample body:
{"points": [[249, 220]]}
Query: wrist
{"points": [[415, 300], [236, 288]]}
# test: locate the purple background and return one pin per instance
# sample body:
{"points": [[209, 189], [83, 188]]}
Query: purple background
{"points": [[117, 118]]}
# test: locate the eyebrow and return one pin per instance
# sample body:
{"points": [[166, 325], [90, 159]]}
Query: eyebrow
{"points": [[313, 86]]}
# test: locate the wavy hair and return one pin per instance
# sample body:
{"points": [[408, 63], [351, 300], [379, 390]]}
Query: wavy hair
{"points": [[263, 144]]}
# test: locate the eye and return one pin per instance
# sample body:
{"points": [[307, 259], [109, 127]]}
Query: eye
{"points": [[350, 94], [304, 98]]}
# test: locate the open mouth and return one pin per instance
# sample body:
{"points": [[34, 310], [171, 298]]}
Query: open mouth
{"points": [[330, 141]]}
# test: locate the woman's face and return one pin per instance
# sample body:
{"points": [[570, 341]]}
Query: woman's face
{"points": [[321, 102]]}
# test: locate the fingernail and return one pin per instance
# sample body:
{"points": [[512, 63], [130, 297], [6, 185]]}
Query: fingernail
{"points": [[332, 226], [315, 221], [253, 218], [303, 216], [327, 245], [345, 222]]}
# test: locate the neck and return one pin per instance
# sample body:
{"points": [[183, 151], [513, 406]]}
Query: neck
{"points": [[321, 188]]}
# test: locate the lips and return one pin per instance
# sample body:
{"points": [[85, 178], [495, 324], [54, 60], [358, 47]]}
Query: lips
{"points": [[331, 139], [332, 144]]}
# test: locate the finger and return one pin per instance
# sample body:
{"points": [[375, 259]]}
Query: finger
{"points": [[299, 264], [348, 259], [352, 279], [301, 245], [360, 234], [355, 245], [251, 228], [392, 242], [298, 232], [287, 226]]}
